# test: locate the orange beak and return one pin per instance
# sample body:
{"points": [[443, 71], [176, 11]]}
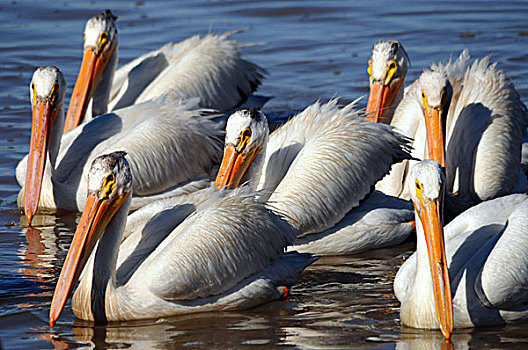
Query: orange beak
{"points": [[381, 97], [435, 135], [92, 67], [234, 166], [94, 219], [434, 237], [43, 118]]}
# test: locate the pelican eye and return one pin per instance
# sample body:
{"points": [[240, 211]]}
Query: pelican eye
{"points": [[53, 93], [34, 93], [392, 68], [424, 100], [103, 39], [108, 185], [369, 68], [245, 138], [54, 88], [419, 188]]}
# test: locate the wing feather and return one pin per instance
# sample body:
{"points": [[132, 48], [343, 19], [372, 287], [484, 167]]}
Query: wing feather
{"points": [[484, 148], [503, 280], [209, 68], [169, 145], [228, 238], [330, 159]]}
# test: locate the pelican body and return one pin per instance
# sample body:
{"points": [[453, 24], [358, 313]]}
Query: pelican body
{"points": [[223, 251], [315, 170], [474, 271], [160, 136], [208, 68], [470, 121]]}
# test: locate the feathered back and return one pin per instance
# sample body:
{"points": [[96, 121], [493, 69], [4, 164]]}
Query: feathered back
{"points": [[490, 113], [209, 68], [179, 143], [131, 79], [230, 237], [484, 83], [167, 143], [324, 161]]}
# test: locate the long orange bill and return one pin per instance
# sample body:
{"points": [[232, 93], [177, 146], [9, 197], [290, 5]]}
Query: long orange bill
{"points": [[380, 97], [94, 220], [43, 118], [434, 237], [435, 135], [92, 67], [234, 166]]}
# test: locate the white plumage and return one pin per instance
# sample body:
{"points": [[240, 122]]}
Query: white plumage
{"points": [[209, 68], [409, 119], [387, 68], [160, 136], [218, 250], [379, 221], [484, 123], [486, 254], [316, 168], [195, 67], [332, 159]]}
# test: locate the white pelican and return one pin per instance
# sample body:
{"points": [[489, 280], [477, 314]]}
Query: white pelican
{"points": [[387, 68], [160, 136], [315, 169], [480, 120], [224, 252], [479, 276], [209, 68], [409, 120]]}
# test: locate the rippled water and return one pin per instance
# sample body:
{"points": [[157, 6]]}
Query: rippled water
{"points": [[311, 50]]}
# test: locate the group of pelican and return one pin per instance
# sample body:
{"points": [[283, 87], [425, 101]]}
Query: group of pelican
{"points": [[467, 125], [197, 242]]}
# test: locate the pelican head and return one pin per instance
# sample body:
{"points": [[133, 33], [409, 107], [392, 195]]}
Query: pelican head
{"points": [[109, 185], [435, 96], [47, 91], [246, 133], [387, 69], [427, 193], [100, 43]]}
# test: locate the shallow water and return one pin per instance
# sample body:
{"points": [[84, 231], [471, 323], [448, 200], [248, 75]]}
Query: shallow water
{"points": [[311, 50]]}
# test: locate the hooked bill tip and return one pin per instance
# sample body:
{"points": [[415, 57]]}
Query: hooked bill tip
{"points": [[29, 215], [53, 318]]}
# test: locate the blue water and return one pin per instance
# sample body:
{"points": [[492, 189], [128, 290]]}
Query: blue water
{"points": [[312, 50]]}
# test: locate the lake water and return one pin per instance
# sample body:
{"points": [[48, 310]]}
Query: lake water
{"points": [[312, 50]]}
